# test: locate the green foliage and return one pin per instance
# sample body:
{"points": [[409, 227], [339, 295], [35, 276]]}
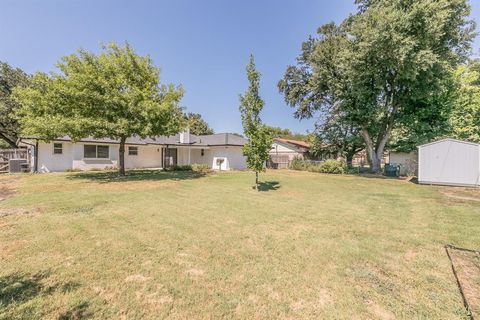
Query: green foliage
{"points": [[115, 94], [336, 137], [10, 78], [465, 118], [185, 167], [332, 166], [197, 125], [385, 68], [328, 166], [278, 132], [299, 163], [201, 167], [258, 134]]}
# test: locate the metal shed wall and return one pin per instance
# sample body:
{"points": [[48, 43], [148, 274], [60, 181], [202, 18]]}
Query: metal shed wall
{"points": [[449, 162]]}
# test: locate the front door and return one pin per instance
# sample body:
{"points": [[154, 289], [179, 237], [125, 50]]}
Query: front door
{"points": [[170, 157]]}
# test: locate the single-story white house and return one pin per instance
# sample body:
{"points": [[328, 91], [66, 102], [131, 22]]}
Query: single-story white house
{"points": [[284, 150], [449, 162], [290, 148], [221, 151]]}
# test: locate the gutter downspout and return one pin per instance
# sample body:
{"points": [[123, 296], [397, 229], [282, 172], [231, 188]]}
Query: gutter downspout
{"points": [[165, 158], [35, 159]]}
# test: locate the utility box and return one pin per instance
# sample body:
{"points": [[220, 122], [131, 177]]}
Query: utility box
{"points": [[391, 170], [17, 165]]}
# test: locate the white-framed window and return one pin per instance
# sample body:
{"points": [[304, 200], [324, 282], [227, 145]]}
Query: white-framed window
{"points": [[93, 151], [57, 148], [132, 151]]}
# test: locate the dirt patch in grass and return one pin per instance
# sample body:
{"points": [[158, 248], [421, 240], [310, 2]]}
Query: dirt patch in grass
{"points": [[324, 298], [136, 278], [7, 248], [194, 272], [14, 212], [468, 194], [379, 312], [467, 268], [8, 187]]}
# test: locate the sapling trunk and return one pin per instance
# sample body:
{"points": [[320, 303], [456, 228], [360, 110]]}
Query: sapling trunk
{"points": [[121, 157]]}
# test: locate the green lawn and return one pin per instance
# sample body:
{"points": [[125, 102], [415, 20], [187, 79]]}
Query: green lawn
{"points": [[186, 246]]}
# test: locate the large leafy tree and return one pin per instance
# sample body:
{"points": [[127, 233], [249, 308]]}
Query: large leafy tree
{"points": [[286, 133], [465, 118], [115, 94], [383, 68], [278, 132], [428, 124], [10, 78], [258, 134], [333, 135], [197, 125]]}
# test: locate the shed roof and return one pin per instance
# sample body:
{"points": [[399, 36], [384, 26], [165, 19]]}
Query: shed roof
{"points": [[448, 139]]}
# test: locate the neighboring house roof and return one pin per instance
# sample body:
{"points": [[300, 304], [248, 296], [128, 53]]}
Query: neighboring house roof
{"points": [[297, 143], [219, 139]]}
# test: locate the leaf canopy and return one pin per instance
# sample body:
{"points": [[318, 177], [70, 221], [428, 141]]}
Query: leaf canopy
{"points": [[114, 94]]}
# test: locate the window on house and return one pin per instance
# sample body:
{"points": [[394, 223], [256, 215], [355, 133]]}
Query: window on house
{"points": [[57, 148], [95, 151], [202, 152], [132, 151], [102, 152]]}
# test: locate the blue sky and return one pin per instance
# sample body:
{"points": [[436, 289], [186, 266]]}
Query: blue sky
{"points": [[203, 45]]}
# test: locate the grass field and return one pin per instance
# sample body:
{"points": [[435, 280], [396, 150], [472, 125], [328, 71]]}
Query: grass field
{"points": [[186, 246]]}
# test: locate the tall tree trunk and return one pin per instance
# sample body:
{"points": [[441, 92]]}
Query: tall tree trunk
{"points": [[375, 163], [349, 158], [256, 180], [375, 152], [373, 159], [121, 157]]}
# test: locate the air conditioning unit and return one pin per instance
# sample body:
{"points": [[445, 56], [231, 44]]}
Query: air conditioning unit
{"points": [[17, 165]]}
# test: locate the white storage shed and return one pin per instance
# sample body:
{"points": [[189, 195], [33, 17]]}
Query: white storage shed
{"points": [[449, 162]]}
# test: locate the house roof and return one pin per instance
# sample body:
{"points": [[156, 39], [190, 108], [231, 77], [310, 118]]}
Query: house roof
{"points": [[219, 139], [297, 143]]}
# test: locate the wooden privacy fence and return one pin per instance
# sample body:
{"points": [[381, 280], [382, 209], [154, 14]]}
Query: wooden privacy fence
{"points": [[8, 156], [278, 162]]}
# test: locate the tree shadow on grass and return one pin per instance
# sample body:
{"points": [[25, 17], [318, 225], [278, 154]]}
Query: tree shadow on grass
{"points": [[413, 180], [136, 175], [376, 176], [80, 311], [17, 289], [268, 186]]}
